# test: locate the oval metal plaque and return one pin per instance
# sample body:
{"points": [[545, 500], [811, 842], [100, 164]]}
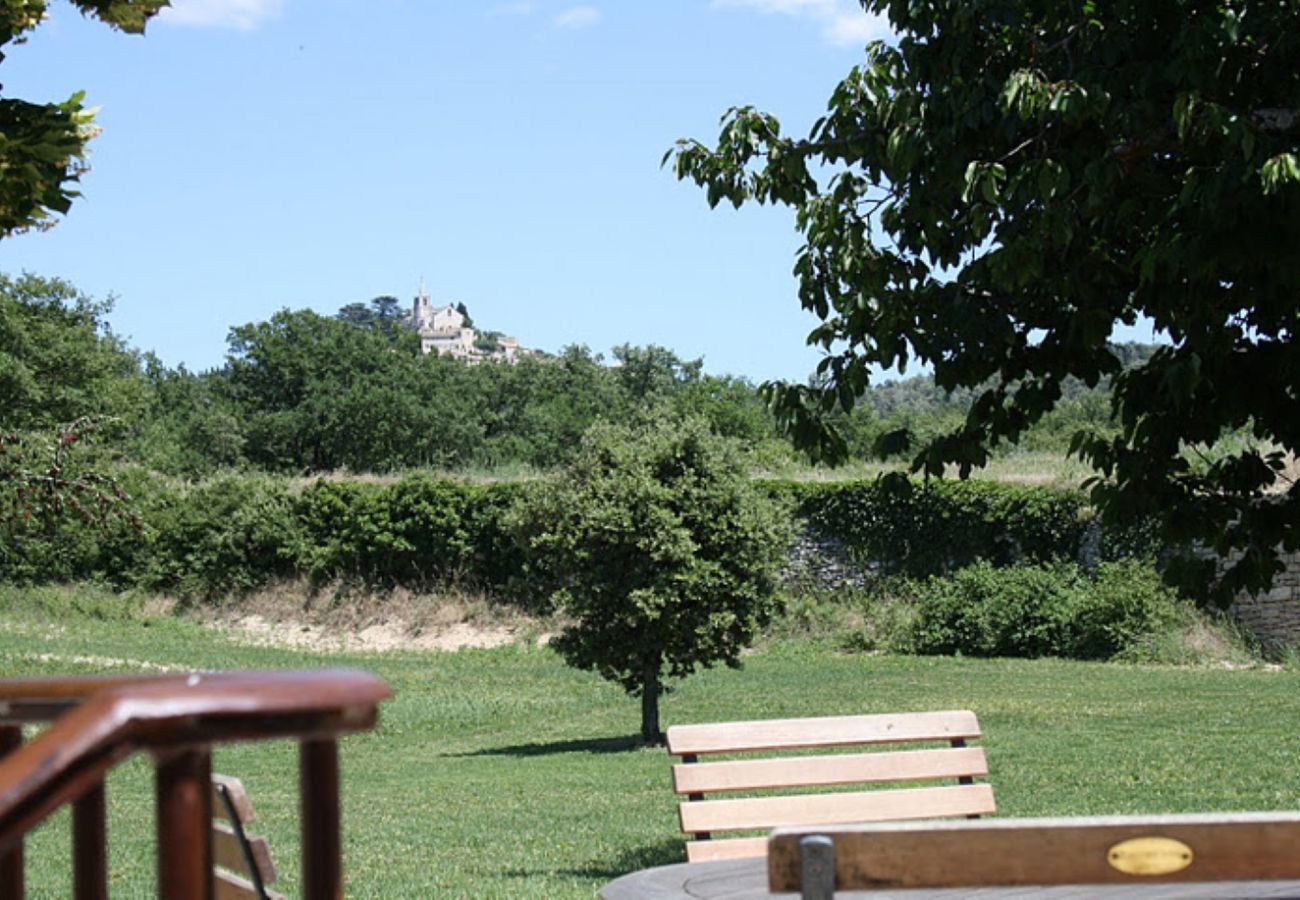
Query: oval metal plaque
{"points": [[1150, 856]]}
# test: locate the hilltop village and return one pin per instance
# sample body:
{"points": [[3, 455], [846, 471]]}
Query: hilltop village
{"points": [[447, 330]]}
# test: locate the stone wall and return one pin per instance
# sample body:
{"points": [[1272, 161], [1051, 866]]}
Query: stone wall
{"points": [[1274, 617], [817, 560]]}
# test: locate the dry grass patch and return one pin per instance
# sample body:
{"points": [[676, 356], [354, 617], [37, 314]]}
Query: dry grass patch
{"points": [[340, 617]]}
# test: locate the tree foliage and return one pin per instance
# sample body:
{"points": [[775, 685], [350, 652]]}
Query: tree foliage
{"points": [[382, 314], [663, 553], [58, 359], [43, 145], [990, 193], [304, 392]]}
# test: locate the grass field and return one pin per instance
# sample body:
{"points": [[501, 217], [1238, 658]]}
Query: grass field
{"points": [[501, 773]]}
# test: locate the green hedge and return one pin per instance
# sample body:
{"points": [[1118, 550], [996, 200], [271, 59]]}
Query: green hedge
{"points": [[235, 532], [419, 531], [932, 528], [227, 535]]}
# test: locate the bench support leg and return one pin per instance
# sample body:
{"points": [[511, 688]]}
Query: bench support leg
{"points": [[817, 867], [90, 846], [184, 786], [322, 850], [11, 861]]}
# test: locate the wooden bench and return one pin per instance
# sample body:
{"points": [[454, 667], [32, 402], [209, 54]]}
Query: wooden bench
{"points": [[242, 866], [1119, 850], [769, 779]]}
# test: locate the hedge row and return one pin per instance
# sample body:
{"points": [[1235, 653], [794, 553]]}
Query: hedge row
{"points": [[936, 527], [233, 533]]}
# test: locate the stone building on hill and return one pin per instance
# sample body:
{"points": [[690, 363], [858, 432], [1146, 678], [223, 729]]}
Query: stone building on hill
{"points": [[442, 329]]}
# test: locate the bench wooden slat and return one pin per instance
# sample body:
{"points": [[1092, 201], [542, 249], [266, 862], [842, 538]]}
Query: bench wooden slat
{"points": [[1224, 846], [854, 806], [238, 796], [808, 771], [231, 875], [728, 848], [780, 734], [231, 887], [226, 852]]}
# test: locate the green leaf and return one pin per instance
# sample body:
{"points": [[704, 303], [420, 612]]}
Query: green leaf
{"points": [[1279, 171]]}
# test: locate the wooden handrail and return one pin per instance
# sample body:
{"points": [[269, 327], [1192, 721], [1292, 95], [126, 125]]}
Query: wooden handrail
{"points": [[98, 721]]}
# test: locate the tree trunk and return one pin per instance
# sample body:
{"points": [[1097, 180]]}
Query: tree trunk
{"points": [[650, 733]]}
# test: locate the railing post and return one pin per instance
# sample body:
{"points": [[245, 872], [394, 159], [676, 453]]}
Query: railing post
{"points": [[11, 861], [89, 846], [318, 784], [184, 788]]}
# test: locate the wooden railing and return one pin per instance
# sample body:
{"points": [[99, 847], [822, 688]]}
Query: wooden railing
{"points": [[98, 721]]}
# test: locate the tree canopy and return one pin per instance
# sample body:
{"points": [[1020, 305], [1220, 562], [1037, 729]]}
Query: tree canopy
{"points": [[59, 360], [990, 193], [43, 145]]}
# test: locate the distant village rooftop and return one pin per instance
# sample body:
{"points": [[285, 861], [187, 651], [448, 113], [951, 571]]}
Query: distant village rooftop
{"points": [[443, 329]]}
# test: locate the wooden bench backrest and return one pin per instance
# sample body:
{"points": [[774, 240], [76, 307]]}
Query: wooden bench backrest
{"points": [[242, 861], [1113, 850], [764, 771]]}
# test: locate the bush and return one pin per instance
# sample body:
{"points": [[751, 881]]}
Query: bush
{"points": [[496, 559], [411, 532], [1126, 604], [1041, 610], [227, 535], [64, 513], [418, 532]]}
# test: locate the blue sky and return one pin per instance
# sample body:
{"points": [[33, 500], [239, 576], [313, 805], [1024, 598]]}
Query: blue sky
{"points": [[260, 154]]}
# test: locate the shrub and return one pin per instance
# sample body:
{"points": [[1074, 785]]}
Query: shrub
{"points": [[428, 536], [1126, 604], [496, 559], [61, 506], [1041, 610], [417, 532], [227, 535]]}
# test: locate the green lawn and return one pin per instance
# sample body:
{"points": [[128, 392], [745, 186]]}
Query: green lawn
{"points": [[501, 773]]}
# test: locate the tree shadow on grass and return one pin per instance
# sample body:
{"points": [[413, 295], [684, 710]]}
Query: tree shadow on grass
{"points": [[591, 745], [663, 853]]}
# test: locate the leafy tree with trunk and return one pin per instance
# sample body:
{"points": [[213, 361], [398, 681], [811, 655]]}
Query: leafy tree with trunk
{"points": [[992, 191], [189, 424], [358, 315], [43, 148], [730, 405], [662, 552]]}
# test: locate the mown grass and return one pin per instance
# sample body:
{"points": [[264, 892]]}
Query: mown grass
{"points": [[502, 773]]}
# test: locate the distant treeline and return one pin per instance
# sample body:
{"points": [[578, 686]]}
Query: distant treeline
{"points": [[303, 393]]}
